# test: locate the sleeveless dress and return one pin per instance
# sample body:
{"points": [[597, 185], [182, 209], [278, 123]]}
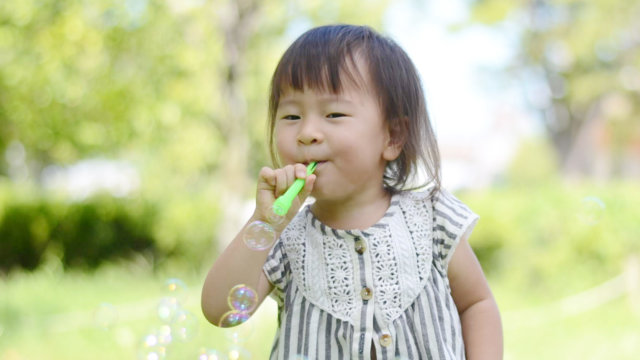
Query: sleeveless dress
{"points": [[340, 291]]}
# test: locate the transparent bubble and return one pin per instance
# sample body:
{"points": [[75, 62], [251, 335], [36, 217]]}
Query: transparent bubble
{"points": [[238, 353], [259, 235], [591, 210], [233, 318], [210, 354], [151, 348], [242, 298], [184, 326], [240, 334], [175, 288], [164, 335], [275, 219], [105, 316], [167, 309]]}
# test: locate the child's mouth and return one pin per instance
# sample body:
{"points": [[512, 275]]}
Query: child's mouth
{"points": [[318, 163]]}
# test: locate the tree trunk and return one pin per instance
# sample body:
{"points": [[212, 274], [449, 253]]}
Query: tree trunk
{"points": [[237, 22]]}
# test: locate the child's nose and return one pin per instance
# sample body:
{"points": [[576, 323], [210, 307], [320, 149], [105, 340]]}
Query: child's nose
{"points": [[310, 132]]}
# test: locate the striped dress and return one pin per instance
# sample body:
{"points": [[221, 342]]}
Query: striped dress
{"points": [[383, 291]]}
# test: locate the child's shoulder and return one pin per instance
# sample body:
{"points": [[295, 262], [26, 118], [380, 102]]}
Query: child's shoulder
{"points": [[432, 193], [431, 198], [416, 196]]}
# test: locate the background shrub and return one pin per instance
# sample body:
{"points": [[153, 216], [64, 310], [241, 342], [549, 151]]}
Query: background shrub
{"points": [[82, 234]]}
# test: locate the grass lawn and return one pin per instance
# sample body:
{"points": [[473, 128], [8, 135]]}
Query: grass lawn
{"points": [[107, 314]]}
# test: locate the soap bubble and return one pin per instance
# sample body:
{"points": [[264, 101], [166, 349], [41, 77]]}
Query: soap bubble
{"points": [[239, 334], [164, 335], [242, 298], [184, 325], [210, 354], [175, 288], [275, 219], [591, 210], [238, 353], [167, 308], [233, 318], [259, 235], [105, 316], [151, 348]]}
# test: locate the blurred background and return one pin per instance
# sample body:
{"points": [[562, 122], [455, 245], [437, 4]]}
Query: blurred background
{"points": [[131, 134]]}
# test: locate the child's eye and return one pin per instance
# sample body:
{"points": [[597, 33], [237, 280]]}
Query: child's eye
{"points": [[291, 117], [335, 115]]}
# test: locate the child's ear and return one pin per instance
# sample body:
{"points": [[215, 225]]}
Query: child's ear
{"points": [[395, 139]]}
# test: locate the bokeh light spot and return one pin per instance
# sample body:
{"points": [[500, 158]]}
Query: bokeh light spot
{"points": [[176, 288], [167, 309], [210, 354]]}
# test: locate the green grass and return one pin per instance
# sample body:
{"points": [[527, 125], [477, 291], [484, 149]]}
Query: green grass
{"points": [[609, 331], [49, 314]]}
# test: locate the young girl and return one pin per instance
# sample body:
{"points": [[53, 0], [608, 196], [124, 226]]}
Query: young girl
{"points": [[369, 270]]}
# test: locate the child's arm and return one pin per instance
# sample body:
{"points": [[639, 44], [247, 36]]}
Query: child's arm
{"points": [[239, 264], [481, 324]]}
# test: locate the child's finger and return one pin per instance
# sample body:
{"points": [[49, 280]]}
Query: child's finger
{"points": [[300, 171], [308, 187], [284, 179], [267, 176]]}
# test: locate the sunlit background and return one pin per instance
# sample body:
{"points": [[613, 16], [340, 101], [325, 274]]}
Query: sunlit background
{"points": [[131, 134]]}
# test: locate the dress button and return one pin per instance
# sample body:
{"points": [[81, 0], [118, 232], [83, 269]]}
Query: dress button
{"points": [[366, 293], [385, 340], [360, 246]]}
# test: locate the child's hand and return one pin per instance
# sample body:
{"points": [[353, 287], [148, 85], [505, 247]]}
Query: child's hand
{"points": [[273, 183]]}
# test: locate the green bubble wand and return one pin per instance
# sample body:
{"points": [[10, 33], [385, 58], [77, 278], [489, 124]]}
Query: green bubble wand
{"points": [[283, 202]]}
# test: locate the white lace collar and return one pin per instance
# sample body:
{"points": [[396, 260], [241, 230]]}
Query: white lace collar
{"points": [[330, 272]]}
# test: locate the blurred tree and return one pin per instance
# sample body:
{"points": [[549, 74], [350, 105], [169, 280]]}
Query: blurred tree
{"points": [[178, 86], [579, 64]]}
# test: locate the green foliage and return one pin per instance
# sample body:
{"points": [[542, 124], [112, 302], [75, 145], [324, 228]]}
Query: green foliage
{"points": [[535, 236], [534, 163], [79, 78], [169, 229], [25, 232], [82, 234], [578, 63], [102, 229]]}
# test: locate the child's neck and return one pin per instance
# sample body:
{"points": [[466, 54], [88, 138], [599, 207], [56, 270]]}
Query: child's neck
{"points": [[354, 213]]}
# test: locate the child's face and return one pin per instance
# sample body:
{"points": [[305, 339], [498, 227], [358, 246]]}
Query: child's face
{"points": [[345, 133]]}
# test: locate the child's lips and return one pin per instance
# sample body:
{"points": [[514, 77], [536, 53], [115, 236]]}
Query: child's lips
{"points": [[318, 163]]}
